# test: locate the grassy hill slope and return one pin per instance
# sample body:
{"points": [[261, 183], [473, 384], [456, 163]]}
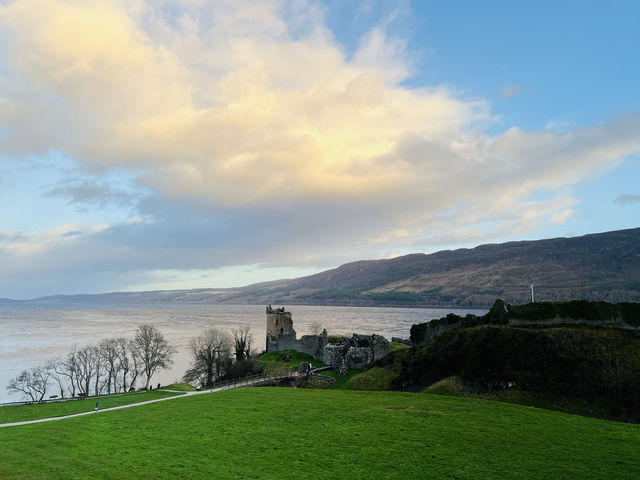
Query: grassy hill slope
{"points": [[596, 365], [271, 433]]}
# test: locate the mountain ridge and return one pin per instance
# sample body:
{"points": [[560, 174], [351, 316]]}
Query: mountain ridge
{"points": [[597, 266]]}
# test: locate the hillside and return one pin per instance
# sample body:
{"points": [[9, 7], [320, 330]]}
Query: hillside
{"points": [[603, 266], [567, 354]]}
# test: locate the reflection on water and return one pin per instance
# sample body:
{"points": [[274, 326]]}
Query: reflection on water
{"points": [[32, 334]]}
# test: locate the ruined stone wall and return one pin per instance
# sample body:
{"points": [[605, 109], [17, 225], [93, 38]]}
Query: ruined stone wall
{"points": [[333, 355], [285, 341], [279, 322], [358, 357], [378, 345], [355, 352], [311, 345], [280, 332]]}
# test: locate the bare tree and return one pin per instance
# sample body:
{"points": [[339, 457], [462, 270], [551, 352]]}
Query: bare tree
{"points": [[32, 383], [242, 343], [136, 359], [125, 349], [67, 368], [108, 351], [153, 350], [87, 368], [211, 351], [99, 368], [316, 328], [53, 366]]}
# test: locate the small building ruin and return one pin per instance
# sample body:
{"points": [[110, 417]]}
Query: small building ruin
{"points": [[349, 353]]}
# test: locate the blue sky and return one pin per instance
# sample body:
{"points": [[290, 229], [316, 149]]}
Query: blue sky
{"points": [[153, 145]]}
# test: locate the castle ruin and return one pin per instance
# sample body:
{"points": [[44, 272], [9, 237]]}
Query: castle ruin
{"points": [[349, 353]]}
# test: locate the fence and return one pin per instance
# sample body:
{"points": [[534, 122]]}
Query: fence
{"points": [[248, 381], [253, 380], [64, 399]]}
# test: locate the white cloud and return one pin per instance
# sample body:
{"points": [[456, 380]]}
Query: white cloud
{"points": [[255, 138], [511, 90], [16, 247], [560, 218], [560, 125]]}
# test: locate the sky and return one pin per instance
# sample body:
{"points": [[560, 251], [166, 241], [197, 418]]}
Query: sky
{"points": [[152, 145]]}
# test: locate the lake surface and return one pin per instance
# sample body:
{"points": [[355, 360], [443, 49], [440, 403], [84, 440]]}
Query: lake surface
{"points": [[30, 335]]}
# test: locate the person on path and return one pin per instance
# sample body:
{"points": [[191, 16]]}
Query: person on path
{"points": [[96, 409]]}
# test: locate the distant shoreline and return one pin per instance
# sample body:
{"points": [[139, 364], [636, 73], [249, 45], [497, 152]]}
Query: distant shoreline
{"points": [[71, 303]]}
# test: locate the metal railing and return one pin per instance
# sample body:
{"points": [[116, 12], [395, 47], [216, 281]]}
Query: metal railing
{"points": [[66, 399], [252, 380], [248, 381]]}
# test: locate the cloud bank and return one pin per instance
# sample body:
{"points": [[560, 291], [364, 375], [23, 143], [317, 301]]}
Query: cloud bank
{"points": [[257, 139]]}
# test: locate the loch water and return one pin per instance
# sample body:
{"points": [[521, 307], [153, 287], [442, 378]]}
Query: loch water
{"points": [[32, 334]]}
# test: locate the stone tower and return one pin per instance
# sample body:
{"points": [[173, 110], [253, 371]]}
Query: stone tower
{"points": [[280, 332]]}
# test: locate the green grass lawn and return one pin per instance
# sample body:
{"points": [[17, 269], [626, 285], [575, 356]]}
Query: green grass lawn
{"points": [[340, 382], [11, 413], [271, 433], [180, 387], [397, 346], [379, 378], [376, 378], [288, 358]]}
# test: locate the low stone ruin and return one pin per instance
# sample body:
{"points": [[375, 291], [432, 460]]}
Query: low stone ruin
{"points": [[354, 352]]}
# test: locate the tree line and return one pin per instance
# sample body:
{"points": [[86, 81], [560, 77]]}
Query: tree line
{"points": [[119, 364]]}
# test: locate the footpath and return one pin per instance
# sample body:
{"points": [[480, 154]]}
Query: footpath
{"points": [[131, 405]]}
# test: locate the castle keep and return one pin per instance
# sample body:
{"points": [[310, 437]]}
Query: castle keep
{"points": [[350, 353], [279, 325]]}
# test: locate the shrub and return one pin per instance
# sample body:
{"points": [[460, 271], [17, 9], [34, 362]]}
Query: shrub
{"points": [[418, 333], [630, 313]]}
